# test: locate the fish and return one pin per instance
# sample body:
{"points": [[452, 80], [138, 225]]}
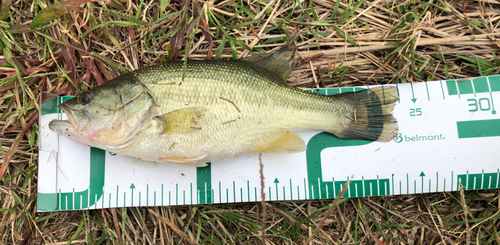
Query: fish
{"points": [[196, 112]]}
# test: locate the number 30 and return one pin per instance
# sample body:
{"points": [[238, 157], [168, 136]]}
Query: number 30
{"points": [[482, 104]]}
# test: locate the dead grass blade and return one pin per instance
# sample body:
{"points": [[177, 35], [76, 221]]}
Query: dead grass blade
{"points": [[173, 227], [57, 10]]}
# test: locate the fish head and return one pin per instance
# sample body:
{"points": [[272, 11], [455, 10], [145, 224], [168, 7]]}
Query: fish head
{"points": [[102, 117]]}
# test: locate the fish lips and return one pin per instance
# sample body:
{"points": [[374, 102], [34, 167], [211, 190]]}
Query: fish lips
{"points": [[76, 119]]}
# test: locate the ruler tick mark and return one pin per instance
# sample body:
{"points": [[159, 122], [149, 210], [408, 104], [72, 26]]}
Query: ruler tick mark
{"points": [[493, 111], [442, 90], [116, 196], [427, 89]]}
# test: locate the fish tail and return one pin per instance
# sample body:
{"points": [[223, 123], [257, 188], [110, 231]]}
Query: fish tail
{"points": [[370, 116]]}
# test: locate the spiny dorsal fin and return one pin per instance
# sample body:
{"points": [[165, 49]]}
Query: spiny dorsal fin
{"points": [[288, 143], [280, 62], [183, 121]]}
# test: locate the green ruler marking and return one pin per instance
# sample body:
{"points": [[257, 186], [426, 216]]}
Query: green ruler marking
{"points": [[481, 85], [437, 181], [132, 187], [478, 128], [422, 175], [465, 87], [427, 89], [407, 184], [204, 183], [477, 85], [452, 87], [494, 83], [442, 90], [413, 99], [49, 107], [479, 181], [319, 188], [276, 182], [248, 191], [80, 199], [234, 192]]}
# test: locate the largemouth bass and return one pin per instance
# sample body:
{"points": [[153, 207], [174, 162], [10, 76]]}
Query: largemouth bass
{"points": [[208, 111]]}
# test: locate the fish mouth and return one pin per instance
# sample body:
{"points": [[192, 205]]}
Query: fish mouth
{"points": [[77, 127], [71, 117]]}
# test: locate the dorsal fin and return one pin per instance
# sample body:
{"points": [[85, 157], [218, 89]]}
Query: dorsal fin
{"points": [[280, 62]]}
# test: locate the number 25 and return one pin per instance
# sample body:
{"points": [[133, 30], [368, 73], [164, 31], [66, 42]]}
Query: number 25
{"points": [[415, 112]]}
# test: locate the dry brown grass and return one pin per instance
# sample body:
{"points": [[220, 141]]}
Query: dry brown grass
{"points": [[367, 45]]}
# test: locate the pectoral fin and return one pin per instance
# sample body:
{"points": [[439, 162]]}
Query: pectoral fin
{"points": [[183, 121], [188, 161], [288, 143]]}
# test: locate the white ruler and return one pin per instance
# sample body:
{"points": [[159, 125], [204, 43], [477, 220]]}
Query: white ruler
{"points": [[449, 134]]}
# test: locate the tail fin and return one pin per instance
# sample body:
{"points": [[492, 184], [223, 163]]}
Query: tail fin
{"points": [[372, 116]]}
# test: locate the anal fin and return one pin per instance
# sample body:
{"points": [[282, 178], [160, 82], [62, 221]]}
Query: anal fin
{"points": [[287, 143]]}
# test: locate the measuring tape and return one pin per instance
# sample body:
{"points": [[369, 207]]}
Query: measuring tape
{"points": [[449, 135]]}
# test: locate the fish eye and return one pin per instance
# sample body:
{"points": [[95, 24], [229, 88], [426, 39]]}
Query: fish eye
{"points": [[85, 98]]}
